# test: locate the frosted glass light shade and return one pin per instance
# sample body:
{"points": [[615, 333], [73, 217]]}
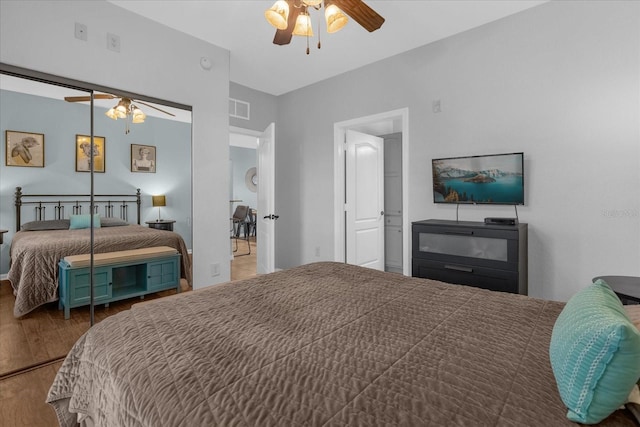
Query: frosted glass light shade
{"points": [[335, 18], [121, 111], [312, 2], [138, 115], [112, 114], [303, 25], [278, 14]]}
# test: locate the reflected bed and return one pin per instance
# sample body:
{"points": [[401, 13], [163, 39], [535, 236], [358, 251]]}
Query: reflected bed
{"points": [[39, 244]]}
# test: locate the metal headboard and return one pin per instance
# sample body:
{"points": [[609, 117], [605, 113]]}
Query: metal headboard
{"points": [[75, 202]]}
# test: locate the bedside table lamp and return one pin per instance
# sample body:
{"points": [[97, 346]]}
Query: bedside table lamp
{"points": [[159, 201]]}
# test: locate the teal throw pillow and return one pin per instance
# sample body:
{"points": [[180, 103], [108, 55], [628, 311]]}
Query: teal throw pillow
{"points": [[594, 354], [83, 221]]}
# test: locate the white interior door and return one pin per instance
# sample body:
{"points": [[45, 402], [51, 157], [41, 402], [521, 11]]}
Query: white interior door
{"points": [[364, 203], [266, 201]]}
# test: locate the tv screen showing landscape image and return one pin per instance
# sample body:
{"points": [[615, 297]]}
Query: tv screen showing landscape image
{"points": [[495, 178]]}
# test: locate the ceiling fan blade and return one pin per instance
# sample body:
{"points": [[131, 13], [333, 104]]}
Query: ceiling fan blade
{"points": [[77, 98], [283, 37], [88, 98], [155, 108], [361, 13]]}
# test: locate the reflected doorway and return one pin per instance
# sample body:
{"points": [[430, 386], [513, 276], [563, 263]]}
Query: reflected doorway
{"points": [[243, 191]]}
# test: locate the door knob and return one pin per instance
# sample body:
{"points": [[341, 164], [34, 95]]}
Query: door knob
{"points": [[382, 213]]}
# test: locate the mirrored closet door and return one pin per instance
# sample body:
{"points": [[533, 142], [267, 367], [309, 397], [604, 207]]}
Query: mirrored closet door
{"points": [[49, 167]]}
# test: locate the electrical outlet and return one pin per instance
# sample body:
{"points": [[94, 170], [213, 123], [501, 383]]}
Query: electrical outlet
{"points": [[113, 42], [81, 31], [215, 269], [436, 106]]}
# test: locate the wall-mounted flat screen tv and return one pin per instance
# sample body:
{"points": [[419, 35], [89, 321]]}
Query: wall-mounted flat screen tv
{"points": [[489, 179]]}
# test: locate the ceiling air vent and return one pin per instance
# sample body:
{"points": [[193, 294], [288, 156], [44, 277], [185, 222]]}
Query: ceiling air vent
{"points": [[238, 109]]}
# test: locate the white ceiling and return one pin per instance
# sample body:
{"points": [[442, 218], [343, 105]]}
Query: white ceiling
{"points": [[240, 27]]}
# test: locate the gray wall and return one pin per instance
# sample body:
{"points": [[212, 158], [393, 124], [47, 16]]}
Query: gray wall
{"points": [[559, 82], [262, 111], [154, 61], [60, 121]]}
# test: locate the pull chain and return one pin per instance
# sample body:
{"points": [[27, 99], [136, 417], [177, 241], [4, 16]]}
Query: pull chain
{"points": [[308, 28], [318, 27]]}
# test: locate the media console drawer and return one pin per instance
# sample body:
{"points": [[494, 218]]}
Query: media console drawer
{"points": [[461, 274], [471, 253]]}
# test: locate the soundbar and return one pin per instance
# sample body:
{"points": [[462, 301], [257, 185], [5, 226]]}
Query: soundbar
{"points": [[501, 221]]}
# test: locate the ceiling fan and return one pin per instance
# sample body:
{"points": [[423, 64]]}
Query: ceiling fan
{"points": [[291, 17], [123, 110]]}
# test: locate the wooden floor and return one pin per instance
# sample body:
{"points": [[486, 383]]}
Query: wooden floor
{"points": [[33, 346], [244, 260]]}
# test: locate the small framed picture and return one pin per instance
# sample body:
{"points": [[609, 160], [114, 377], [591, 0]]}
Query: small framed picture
{"points": [[24, 149], [83, 153], [143, 158]]}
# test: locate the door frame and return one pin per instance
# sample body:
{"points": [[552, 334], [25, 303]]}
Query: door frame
{"points": [[379, 124]]}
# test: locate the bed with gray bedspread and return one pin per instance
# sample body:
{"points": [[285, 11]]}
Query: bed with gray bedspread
{"points": [[322, 344], [35, 256]]}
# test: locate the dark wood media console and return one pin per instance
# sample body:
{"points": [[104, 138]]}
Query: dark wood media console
{"points": [[471, 253]]}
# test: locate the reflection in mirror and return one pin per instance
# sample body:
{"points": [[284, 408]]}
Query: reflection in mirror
{"points": [[58, 163]]}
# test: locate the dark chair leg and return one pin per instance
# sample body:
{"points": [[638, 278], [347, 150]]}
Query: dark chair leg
{"points": [[244, 226], [235, 231]]}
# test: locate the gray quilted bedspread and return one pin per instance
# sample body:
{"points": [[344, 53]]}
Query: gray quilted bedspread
{"points": [[35, 256], [323, 344]]}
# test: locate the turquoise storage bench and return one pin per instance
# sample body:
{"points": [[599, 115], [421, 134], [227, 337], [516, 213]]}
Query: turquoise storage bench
{"points": [[117, 275]]}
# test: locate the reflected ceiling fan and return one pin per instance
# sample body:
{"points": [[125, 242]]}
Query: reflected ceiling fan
{"points": [[123, 110], [291, 17]]}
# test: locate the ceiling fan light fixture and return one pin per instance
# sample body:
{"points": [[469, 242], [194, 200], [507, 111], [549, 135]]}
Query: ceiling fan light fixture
{"points": [[336, 12], [122, 110], [303, 25], [335, 18], [278, 14]]}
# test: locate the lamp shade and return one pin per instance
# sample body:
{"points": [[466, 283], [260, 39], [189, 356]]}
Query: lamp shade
{"points": [[112, 113], [303, 25], [121, 110], [278, 14], [159, 201], [138, 115], [335, 18]]}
